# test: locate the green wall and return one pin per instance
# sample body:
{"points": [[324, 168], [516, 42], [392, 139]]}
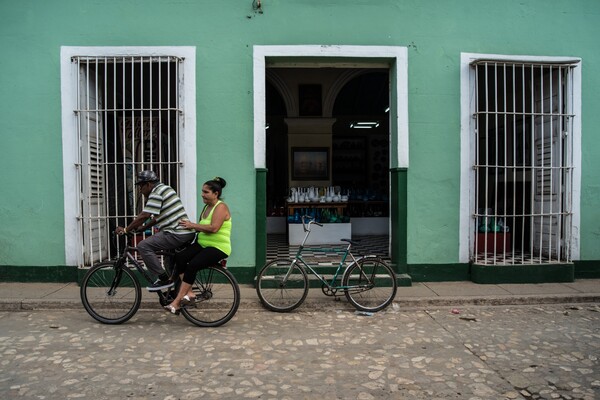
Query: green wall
{"points": [[223, 32]]}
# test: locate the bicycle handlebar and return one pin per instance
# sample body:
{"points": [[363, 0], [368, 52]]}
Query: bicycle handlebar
{"points": [[311, 220]]}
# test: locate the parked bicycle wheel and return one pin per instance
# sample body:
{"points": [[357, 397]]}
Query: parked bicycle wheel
{"points": [[110, 294], [282, 285], [217, 298], [373, 284]]}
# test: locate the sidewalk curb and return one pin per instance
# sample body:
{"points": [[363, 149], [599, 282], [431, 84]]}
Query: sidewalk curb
{"points": [[326, 303]]}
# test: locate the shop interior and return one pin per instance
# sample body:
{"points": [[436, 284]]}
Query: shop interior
{"points": [[327, 139]]}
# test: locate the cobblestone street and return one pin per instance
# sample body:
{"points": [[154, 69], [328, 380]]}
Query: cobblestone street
{"points": [[515, 352]]}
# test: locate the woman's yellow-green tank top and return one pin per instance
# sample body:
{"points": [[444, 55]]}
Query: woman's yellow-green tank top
{"points": [[220, 239]]}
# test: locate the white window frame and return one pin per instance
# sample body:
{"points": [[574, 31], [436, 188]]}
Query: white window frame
{"points": [[467, 148], [69, 85]]}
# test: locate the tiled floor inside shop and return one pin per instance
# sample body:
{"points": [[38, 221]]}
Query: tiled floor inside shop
{"points": [[277, 247]]}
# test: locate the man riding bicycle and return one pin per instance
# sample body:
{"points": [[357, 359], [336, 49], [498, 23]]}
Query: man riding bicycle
{"points": [[163, 209]]}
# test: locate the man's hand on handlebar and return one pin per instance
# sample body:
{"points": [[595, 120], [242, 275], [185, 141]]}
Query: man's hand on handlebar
{"points": [[119, 230]]}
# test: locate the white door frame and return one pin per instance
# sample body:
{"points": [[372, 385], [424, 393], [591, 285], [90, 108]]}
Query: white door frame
{"points": [[68, 75]]}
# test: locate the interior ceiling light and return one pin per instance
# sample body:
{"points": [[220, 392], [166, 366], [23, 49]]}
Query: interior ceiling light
{"points": [[364, 124], [387, 109]]}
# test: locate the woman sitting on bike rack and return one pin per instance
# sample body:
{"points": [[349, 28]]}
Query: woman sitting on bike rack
{"points": [[213, 243]]}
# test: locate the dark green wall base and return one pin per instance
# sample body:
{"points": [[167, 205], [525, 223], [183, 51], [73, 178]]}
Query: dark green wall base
{"points": [[416, 273], [52, 273], [244, 275], [404, 280], [587, 269], [505, 273], [438, 272], [523, 273]]}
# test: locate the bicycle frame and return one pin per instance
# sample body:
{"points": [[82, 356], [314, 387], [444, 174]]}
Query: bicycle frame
{"points": [[121, 262], [341, 266]]}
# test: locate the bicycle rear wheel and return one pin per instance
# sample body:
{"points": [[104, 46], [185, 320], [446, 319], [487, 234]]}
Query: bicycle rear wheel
{"points": [[371, 284], [217, 298], [111, 294], [282, 285]]}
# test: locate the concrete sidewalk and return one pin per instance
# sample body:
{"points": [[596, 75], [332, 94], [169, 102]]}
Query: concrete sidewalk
{"points": [[39, 296]]}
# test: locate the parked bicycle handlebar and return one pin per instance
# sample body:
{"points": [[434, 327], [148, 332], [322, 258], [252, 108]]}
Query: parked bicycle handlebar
{"points": [[311, 220]]}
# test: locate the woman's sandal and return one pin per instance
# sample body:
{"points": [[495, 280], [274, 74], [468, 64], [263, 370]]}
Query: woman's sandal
{"points": [[172, 310], [188, 301]]}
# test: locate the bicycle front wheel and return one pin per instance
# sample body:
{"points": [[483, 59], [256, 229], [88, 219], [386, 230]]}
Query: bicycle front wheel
{"points": [[217, 298], [282, 285], [111, 294], [370, 284]]}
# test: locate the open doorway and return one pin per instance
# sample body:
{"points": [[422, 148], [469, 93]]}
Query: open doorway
{"points": [[392, 58], [341, 114]]}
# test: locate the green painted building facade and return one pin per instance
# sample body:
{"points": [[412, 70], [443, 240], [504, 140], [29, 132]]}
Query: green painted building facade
{"points": [[229, 54]]}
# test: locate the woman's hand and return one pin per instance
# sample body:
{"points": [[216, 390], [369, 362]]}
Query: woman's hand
{"points": [[187, 224]]}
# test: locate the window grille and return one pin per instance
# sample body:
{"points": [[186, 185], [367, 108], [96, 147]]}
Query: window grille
{"points": [[129, 119], [523, 162]]}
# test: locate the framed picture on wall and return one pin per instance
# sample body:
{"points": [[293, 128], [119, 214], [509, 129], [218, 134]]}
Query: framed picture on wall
{"points": [[310, 163]]}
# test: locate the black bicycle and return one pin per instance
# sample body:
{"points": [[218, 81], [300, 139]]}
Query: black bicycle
{"points": [[111, 292]]}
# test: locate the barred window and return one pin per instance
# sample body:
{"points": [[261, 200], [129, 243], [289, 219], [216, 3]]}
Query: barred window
{"points": [[129, 118], [522, 162]]}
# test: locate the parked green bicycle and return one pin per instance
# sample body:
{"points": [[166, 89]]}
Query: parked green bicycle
{"points": [[368, 282]]}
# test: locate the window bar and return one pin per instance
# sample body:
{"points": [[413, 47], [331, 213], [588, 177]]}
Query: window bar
{"points": [[159, 143], [570, 153], [168, 115], [477, 163], [146, 161], [169, 111], [486, 163], [546, 171], [552, 184], [514, 166], [81, 100], [178, 118], [542, 167], [123, 218], [494, 166], [524, 160], [505, 169], [569, 158], [561, 165], [147, 114], [100, 122], [133, 138], [87, 158], [114, 221], [168, 108], [78, 165], [94, 161], [532, 169], [128, 167]]}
